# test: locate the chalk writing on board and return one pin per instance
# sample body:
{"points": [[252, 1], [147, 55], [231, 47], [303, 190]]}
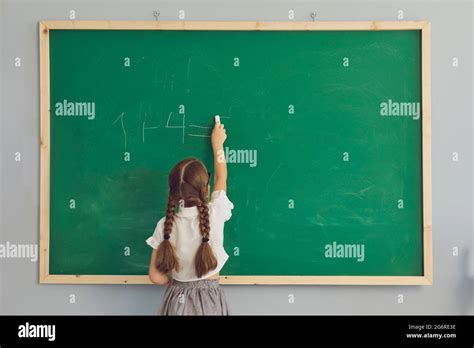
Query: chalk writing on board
{"points": [[171, 123], [187, 77], [198, 128], [143, 130], [183, 126], [123, 127]]}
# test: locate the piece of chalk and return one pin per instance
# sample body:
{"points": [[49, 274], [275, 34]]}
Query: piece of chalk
{"points": [[217, 119]]}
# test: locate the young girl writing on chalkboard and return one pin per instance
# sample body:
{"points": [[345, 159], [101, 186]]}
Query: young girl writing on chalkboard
{"points": [[188, 242]]}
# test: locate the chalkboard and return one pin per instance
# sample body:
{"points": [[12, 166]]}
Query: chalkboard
{"points": [[328, 147]]}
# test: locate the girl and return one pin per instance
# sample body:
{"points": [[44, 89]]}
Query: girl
{"points": [[188, 242]]}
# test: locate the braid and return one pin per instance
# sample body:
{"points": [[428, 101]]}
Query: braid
{"points": [[169, 217], [166, 259], [205, 259], [203, 218]]}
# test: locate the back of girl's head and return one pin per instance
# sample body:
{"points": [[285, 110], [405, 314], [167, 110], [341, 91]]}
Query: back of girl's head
{"points": [[188, 181], [188, 184]]}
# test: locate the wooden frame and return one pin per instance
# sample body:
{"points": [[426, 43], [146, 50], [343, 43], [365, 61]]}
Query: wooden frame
{"points": [[423, 26]]}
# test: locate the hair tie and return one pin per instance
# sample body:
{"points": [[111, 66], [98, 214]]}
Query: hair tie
{"points": [[205, 240], [167, 236]]}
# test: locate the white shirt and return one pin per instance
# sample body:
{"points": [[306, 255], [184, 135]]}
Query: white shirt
{"points": [[186, 237]]}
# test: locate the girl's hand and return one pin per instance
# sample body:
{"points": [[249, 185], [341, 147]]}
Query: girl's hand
{"points": [[218, 136]]}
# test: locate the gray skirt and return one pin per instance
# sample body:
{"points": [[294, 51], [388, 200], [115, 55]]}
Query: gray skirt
{"points": [[199, 297]]}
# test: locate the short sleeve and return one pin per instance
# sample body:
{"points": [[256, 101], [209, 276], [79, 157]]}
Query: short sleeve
{"points": [[221, 204], [156, 238]]}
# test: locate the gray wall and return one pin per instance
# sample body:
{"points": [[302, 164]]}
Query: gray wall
{"points": [[452, 292]]}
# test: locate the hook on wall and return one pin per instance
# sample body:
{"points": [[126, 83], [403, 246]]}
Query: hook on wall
{"points": [[313, 15], [156, 14]]}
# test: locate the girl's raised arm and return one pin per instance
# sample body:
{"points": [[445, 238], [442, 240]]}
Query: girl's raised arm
{"points": [[218, 138]]}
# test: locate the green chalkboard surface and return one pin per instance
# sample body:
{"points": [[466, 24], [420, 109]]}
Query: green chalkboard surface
{"points": [[324, 146]]}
